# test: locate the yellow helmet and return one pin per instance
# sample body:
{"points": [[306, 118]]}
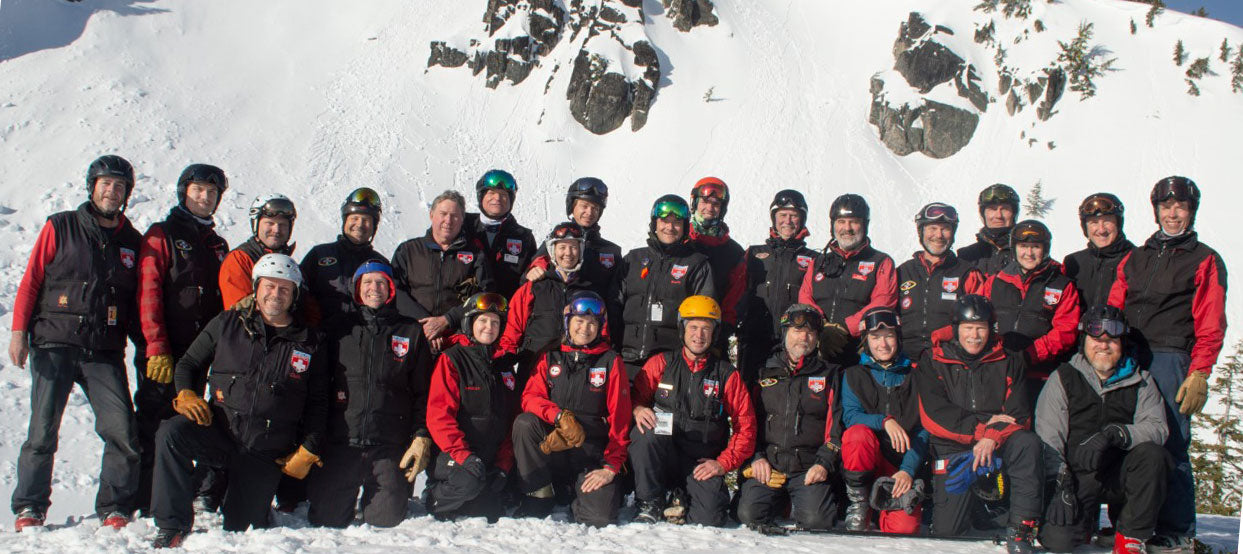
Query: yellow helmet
{"points": [[699, 307]]}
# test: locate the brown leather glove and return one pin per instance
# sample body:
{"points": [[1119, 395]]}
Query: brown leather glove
{"points": [[298, 464], [416, 457], [1193, 393], [776, 479], [160, 368], [188, 403], [566, 435], [833, 340]]}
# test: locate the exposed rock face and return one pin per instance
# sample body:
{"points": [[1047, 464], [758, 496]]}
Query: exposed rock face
{"points": [[521, 32], [936, 129], [688, 13]]}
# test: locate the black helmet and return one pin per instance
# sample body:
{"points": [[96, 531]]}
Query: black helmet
{"points": [[363, 201], [667, 205], [1178, 188], [937, 212], [802, 315], [1030, 230], [974, 308], [788, 199], [1104, 320], [1101, 203], [590, 189], [998, 194], [850, 205], [205, 174], [880, 317], [496, 179], [483, 303], [110, 166]]}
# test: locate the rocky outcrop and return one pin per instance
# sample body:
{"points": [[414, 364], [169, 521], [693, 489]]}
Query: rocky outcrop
{"points": [[934, 128], [521, 31], [689, 13]]}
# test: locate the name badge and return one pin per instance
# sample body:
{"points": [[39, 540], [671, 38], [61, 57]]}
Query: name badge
{"points": [[664, 423], [657, 311], [511, 259], [952, 296]]}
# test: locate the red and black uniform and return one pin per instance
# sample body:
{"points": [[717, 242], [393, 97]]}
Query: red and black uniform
{"points": [[470, 409], [927, 293], [990, 252], [76, 302], [802, 426], [1093, 270], [179, 293], [1037, 314], [510, 248], [590, 382], [713, 417], [729, 274], [958, 394], [268, 395], [435, 281], [235, 282], [843, 285], [600, 261], [655, 280], [774, 275], [328, 272], [535, 321]]}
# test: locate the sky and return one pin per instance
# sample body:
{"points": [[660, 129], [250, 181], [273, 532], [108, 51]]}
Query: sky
{"points": [[1230, 11]]}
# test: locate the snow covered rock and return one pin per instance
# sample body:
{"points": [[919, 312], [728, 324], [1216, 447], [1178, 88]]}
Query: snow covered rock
{"points": [[616, 71], [521, 32], [688, 13]]}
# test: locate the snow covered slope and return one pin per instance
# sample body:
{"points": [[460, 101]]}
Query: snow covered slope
{"points": [[314, 98]]}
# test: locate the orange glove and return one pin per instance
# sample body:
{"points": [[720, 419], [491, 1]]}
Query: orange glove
{"points": [[188, 403], [298, 464]]}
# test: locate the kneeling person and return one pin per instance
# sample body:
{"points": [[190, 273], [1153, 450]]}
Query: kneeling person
{"points": [[687, 402], [576, 420], [800, 441]]}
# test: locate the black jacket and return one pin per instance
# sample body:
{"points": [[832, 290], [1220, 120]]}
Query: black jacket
{"points": [[1093, 270], [655, 280], [799, 412], [991, 250], [774, 274], [434, 282], [327, 271], [927, 295], [510, 248]]}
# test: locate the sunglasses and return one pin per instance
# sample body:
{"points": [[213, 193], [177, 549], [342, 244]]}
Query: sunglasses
{"points": [[668, 208], [938, 212], [1111, 327]]}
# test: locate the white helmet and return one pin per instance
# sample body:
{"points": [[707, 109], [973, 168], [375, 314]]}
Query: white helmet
{"points": [[271, 205], [276, 266]]}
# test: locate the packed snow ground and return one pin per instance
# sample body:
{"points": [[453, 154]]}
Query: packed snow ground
{"points": [[315, 98]]}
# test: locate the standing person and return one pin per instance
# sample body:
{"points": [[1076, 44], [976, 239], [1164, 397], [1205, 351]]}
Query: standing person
{"points": [[883, 436], [470, 411], [693, 423], [656, 279], [848, 278], [1094, 268], [570, 441], [381, 367], [437, 272], [584, 204], [1102, 421], [1037, 306], [796, 397], [328, 268], [179, 293], [931, 282], [74, 309], [271, 226], [774, 274], [1173, 290], [999, 209], [510, 247], [265, 415], [972, 400], [709, 235]]}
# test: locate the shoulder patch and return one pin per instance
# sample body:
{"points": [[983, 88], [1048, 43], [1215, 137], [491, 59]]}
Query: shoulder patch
{"points": [[908, 285], [327, 261], [768, 382]]}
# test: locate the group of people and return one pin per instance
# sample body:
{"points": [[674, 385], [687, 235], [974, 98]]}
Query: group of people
{"points": [[994, 388]]}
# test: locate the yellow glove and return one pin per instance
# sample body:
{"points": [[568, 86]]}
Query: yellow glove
{"points": [[776, 479], [298, 464], [833, 339], [416, 457], [1193, 393], [160, 368], [188, 403]]}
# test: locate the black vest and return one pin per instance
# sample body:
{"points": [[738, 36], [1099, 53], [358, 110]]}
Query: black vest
{"points": [[486, 402], [329, 270], [1023, 318], [842, 286], [90, 287], [656, 274], [379, 375], [545, 322], [795, 409], [775, 272], [926, 299], [1087, 412], [192, 286], [580, 384], [898, 402], [700, 422]]}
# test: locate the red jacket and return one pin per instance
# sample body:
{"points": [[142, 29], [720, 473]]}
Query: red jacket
{"points": [[737, 403], [522, 305], [443, 401], [32, 280], [536, 399]]}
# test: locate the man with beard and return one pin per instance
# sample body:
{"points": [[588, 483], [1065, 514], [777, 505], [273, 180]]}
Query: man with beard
{"points": [[774, 274], [1094, 268], [710, 236], [510, 247], [933, 279], [328, 269], [999, 209], [848, 278]]}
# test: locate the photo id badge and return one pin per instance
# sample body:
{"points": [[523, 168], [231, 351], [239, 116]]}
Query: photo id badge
{"points": [[664, 423], [658, 311], [112, 315]]}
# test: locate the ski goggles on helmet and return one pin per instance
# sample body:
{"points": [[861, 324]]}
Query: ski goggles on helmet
{"points": [[498, 180], [364, 197], [278, 207], [998, 195], [566, 232], [205, 174], [880, 319], [712, 190], [1030, 234], [1111, 327], [937, 213], [488, 302], [590, 187], [669, 207], [806, 317], [1099, 204], [586, 305], [1178, 188]]}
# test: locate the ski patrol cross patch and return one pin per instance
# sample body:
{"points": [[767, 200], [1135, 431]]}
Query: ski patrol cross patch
{"points": [[465, 257], [949, 284], [401, 346], [514, 246], [906, 302], [711, 388], [341, 396], [678, 271], [803, 261], [607, 261], [508, 378], [866, 268], [816, 384], [1052, 296], [127, 258], [554, 370], [597, 376], [300, 361]]}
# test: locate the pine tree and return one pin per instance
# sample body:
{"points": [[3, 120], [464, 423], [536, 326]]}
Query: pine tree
{"points": [[1217, 442], [1079, 63], [1192, 88], [1198, 68], [1180, 53], [1200, 12], [1035, 202], [1158, 7], [1225, 51], [1236, 72]]}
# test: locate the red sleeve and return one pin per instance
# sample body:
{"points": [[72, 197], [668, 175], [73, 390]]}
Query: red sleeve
{"points": [[804, 290], [535, 396], [1001, 431], [986, 289], [1061, 338], [742, 415], [235, 278], [443, 400], [516, 323], [1208, 313], [541, 261], [619, 416], [32, 281], [737, 288], [153, 262], [644, 391], [975, 282], [884, 294], [1117, 293]]}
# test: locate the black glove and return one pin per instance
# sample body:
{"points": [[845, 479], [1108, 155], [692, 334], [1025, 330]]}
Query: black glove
{"points": [[499, 479], [474, 466], [1087, 456], [1064, 504]]}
